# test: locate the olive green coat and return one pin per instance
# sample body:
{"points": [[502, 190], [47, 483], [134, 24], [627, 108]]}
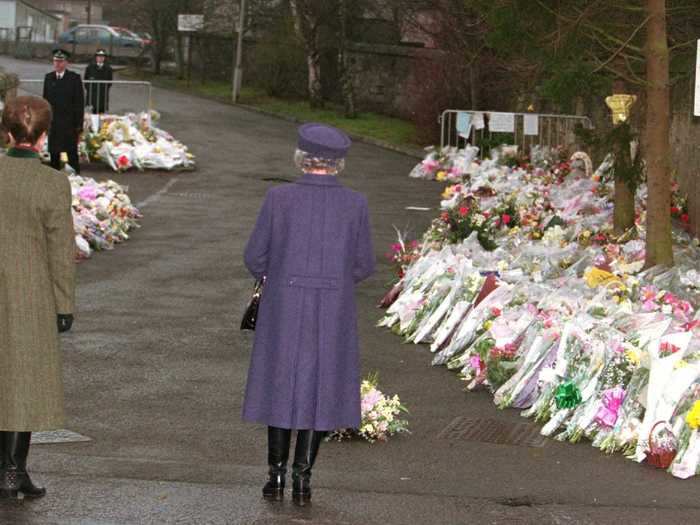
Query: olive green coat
{"points": [[37, 281]]}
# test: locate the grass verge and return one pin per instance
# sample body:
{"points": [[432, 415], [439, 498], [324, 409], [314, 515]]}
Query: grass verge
{"points": [[390, 130]]}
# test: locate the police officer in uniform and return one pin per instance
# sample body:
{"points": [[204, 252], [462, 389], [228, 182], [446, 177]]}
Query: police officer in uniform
{"points": [[63, 89], [97, 94]]}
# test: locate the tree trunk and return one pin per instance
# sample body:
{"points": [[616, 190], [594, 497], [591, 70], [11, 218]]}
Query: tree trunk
{"points": [[306, 29], [180, 54], [474, 86], [314, 64], [659, 249], [346, 76], [623, 212]]}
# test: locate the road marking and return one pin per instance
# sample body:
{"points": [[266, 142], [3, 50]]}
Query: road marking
{"points": [[157, 195]]}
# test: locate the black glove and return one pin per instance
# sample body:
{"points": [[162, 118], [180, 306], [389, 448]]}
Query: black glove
{"points": [[65, 321]]}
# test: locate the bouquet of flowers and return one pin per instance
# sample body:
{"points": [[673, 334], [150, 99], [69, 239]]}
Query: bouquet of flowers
{"points": [[102, 214], [380, 415], [132, 141]]}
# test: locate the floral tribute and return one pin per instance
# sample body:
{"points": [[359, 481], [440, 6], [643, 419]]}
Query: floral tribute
{"points": [[131, 141], [521, 288], [102, 214], [380, 415]]}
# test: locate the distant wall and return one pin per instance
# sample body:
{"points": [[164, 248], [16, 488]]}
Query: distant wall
{"points": [[386, 76]]}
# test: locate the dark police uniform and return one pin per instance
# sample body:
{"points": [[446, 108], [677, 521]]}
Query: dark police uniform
{"points": [[68, 105], [97, 95]]}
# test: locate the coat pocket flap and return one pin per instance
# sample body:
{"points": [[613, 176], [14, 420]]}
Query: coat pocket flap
{"points": [[326, 283]]}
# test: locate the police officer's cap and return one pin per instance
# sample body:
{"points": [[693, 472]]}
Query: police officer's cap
{"points": [[61, 54], [100, 53]]}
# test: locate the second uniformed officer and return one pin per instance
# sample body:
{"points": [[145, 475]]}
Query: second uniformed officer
{"points": [[64, 91], [97, 93]]}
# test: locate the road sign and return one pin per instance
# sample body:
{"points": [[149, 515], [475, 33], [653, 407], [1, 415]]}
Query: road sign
{"points": [[190, 23]]}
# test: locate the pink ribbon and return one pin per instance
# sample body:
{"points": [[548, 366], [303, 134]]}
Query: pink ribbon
{"points": [[612, 401]]}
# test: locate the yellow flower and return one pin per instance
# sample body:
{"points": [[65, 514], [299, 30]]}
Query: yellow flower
{"points": [[586, 234], [488, 325], [441, 175], [449, 191], [633, 356], [681, 364], [693, 417]]}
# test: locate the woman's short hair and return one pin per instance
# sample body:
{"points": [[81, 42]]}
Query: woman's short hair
{"points": [[26, 118], [307, 162]]}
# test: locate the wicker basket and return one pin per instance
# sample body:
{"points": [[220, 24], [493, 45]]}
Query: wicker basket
{"points": [[656, 456]]}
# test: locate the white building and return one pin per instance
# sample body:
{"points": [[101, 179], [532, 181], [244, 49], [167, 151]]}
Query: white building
{"points": [[32, 22]]}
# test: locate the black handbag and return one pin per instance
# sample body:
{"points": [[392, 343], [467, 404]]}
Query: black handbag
{"points": [[250, 316]]}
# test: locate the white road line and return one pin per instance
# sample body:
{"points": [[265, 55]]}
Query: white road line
{"points": [[157, 195]]}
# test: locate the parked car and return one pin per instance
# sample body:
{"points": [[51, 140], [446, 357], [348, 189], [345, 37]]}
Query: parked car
{"points": [[83, 40]]}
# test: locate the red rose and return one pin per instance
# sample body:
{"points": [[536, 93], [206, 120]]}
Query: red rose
{"points": [[463, 211], [123, 161], [674, 209], [445, 216], [505, 218], [685, 218]]}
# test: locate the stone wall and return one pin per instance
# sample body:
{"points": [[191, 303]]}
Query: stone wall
{"points": [[386, 76]]}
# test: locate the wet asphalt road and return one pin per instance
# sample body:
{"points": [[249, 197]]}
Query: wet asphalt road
{"points": [[155, 371]]}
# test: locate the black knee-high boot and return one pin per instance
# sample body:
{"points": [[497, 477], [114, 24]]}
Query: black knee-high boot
{"points": [[15, 478], [277, 457], [305, 452]]}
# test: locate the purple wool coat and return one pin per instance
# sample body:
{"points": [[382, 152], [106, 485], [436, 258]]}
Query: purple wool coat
{"points": [[312, 241]]}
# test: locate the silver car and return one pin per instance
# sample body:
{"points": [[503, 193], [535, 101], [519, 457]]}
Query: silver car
{"points": [[83, 40]]}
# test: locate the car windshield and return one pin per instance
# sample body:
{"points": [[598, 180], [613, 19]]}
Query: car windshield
{"points": [[125, 32]]}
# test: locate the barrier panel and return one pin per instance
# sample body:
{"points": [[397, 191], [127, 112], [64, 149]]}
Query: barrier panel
{"points": [[122, 96], [491, 128]]}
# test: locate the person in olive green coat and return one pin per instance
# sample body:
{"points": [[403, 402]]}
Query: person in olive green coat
{"points": [[37, 290]]}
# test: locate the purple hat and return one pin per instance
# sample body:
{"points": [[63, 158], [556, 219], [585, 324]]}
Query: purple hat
{"points": [[323, 141]]}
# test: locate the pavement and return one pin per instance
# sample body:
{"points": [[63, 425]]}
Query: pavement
{"points": [[155, 370]]}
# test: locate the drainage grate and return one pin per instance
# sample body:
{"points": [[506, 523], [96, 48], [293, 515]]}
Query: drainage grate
{"points": [[276, 179], [57, 436], [495, 431]]}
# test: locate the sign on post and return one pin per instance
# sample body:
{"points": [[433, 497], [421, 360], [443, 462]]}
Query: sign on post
{"points": [[697, 83], [190, 23]]}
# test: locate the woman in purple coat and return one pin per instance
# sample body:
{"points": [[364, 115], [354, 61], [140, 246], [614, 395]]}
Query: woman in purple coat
{"points": [[312, 242]]}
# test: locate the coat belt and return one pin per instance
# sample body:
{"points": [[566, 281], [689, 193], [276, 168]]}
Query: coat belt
{"points": [[300, 281]]}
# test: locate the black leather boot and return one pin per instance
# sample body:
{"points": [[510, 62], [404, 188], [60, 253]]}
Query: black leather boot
{"points": [[277, 457], [15, 478], [308, 442]]}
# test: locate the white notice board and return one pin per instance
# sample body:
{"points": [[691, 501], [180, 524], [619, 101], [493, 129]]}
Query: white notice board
{"points": [[190, 23]]}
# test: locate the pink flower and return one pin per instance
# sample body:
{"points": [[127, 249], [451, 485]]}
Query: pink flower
{"points": [[370, 399], [430, 165], [87, 193], [505, 218], [475, 363], [649, 306], [495, 311]]}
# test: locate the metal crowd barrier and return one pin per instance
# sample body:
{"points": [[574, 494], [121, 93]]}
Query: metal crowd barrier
{"points": [[124, 96], [528, 129]]}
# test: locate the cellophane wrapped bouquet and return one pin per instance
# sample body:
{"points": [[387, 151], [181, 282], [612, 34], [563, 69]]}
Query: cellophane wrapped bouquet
{"points": [[523, 288], [381, 415]]}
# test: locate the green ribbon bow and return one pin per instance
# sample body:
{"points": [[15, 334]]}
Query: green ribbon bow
{"points": [[567, 395]]}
